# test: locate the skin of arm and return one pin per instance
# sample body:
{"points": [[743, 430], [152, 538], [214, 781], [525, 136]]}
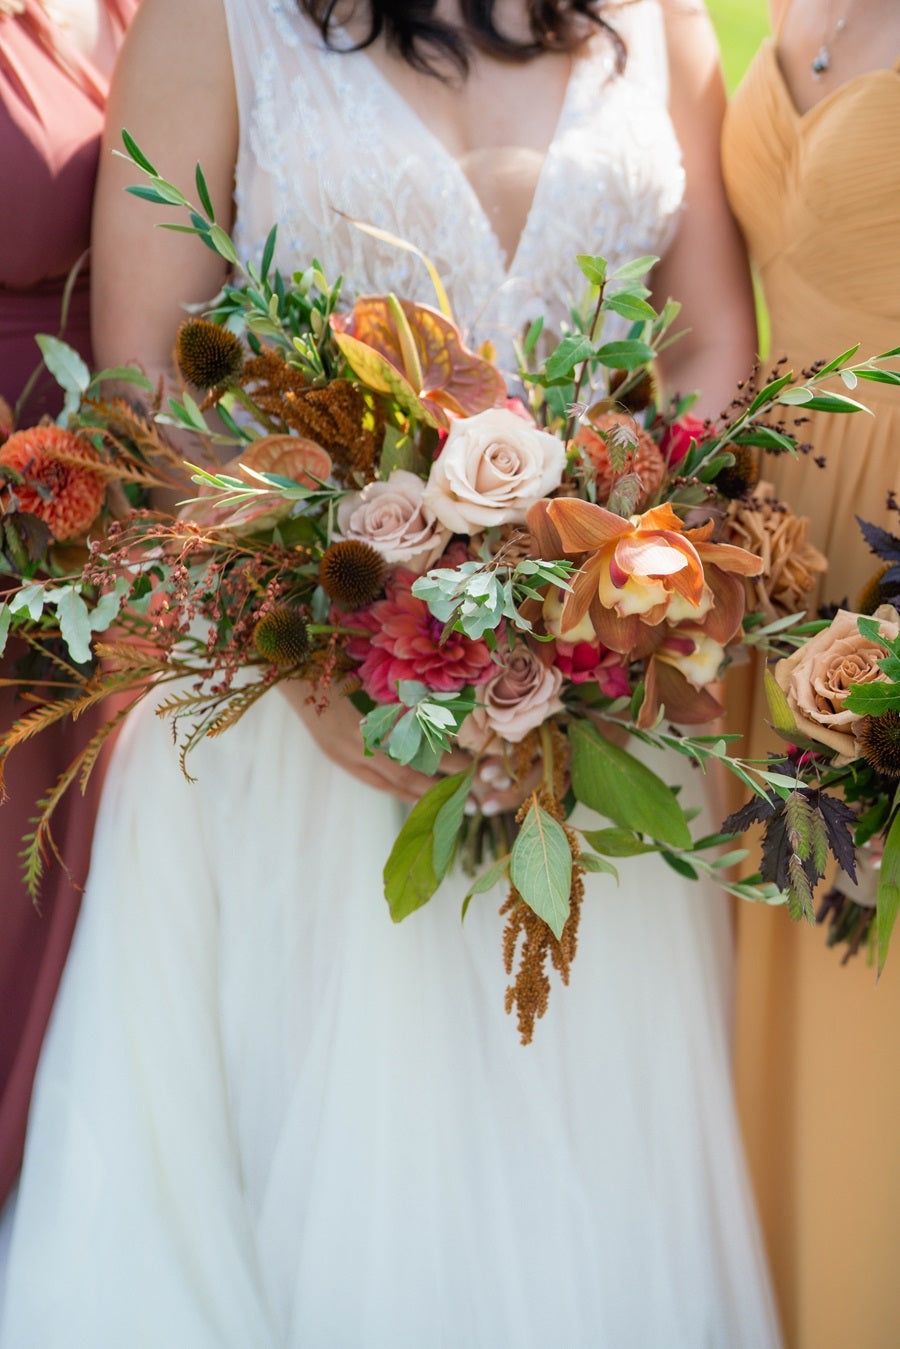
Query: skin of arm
{"points": [[706, 266]]}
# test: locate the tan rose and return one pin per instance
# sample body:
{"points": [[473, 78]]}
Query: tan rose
{"points": [[392, 517], [817, 677], [523, 693], [492, 468], [780, 539]]}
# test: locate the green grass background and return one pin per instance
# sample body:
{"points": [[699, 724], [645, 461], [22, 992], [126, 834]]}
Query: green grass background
{"points": [[741, 26]]}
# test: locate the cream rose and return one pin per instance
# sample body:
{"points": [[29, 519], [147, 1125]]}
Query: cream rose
{"points": [[817, 677], [393, 518], [492, 468], [523, 693]]}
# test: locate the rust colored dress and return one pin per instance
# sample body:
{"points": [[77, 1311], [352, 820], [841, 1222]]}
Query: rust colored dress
{"points": [[51, 116], [818, 1045]]}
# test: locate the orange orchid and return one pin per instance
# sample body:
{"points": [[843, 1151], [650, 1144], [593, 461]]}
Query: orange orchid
{"points": [[649, 588]]}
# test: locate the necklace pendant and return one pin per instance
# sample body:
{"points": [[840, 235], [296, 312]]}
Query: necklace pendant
{"points": [[821, 61]]}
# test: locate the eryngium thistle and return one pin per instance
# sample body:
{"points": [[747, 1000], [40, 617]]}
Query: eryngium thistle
{"points": [[743, 475], [281, 636], [352, 573], [879, 742], [208, 356], [874, 593]]}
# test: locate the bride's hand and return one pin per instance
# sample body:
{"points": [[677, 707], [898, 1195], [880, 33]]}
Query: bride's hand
{"points": [[336, 732]]}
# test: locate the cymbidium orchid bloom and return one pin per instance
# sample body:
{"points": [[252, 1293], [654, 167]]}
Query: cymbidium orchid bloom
{"points": [[650, 589]]}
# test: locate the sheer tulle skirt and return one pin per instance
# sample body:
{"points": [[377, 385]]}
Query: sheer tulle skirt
{"points": [[267, 1116]]}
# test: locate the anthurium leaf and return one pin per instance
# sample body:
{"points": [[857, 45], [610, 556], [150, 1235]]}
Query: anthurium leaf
{"points": [[452, 375], [888, 900], [409, 875], [377, 373], [540, 866], [614, 783], [448, 824], [617, 842]]}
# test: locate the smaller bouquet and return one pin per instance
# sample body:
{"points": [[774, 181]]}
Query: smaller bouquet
{"points": [[836, 699]]}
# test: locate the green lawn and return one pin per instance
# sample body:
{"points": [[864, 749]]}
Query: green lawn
{"points": [[741, 25]]}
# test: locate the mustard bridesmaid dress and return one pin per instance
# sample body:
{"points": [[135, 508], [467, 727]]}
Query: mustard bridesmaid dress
{"points": [[818, 1045]]}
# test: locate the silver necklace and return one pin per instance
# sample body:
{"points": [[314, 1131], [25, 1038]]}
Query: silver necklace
{"points": [[821, 62]]}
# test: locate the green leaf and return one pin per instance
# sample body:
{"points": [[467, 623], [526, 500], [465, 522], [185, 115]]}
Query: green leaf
{"points": [[823, 401], [880, 376], [146, 193], [487, 880], [30, 597], [593, 268], [614, 783], [625, 355], [449, 822], [617, 842], [136, 154], [531, 337], [74, 624], [221, 242], [629, 306], [409, 875], [782, 716], [268, 252], [5, 620], [591, 862], [203, 194], [123, 374], [540, 867], [888, 900], [64, 364], [633, 271], [570, 352], [404, 740], [680, 865]]}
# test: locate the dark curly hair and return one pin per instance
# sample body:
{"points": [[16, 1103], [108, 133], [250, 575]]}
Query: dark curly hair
{"points": [[430, 45]]}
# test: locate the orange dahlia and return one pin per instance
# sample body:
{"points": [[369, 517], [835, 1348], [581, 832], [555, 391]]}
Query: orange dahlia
{"points": [[644, 458], [59, 481]]}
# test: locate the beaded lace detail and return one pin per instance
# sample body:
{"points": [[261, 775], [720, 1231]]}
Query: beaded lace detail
{"points": [[326, 139]]}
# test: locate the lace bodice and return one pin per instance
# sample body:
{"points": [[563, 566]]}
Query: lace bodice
{"points": [[326, 139]]}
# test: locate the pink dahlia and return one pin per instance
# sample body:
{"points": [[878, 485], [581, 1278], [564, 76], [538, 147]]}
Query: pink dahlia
{"points": [[405, 643], [590, 662]]}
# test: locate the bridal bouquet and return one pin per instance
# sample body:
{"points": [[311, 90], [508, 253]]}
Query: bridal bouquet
{"points": [[529, 575]]}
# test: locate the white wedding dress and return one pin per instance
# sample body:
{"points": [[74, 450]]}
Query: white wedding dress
{"points": [[268, 1117]]}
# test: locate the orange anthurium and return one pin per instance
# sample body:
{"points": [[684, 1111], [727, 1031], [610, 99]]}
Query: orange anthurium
{"points": [[417, 355]]}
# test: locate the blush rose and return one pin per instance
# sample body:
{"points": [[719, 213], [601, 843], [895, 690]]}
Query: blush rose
{"points": [[392, 517], [492, 468]]}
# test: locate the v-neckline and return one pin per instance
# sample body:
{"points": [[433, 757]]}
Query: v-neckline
{"points": [[800, 117], [507, 267]]}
